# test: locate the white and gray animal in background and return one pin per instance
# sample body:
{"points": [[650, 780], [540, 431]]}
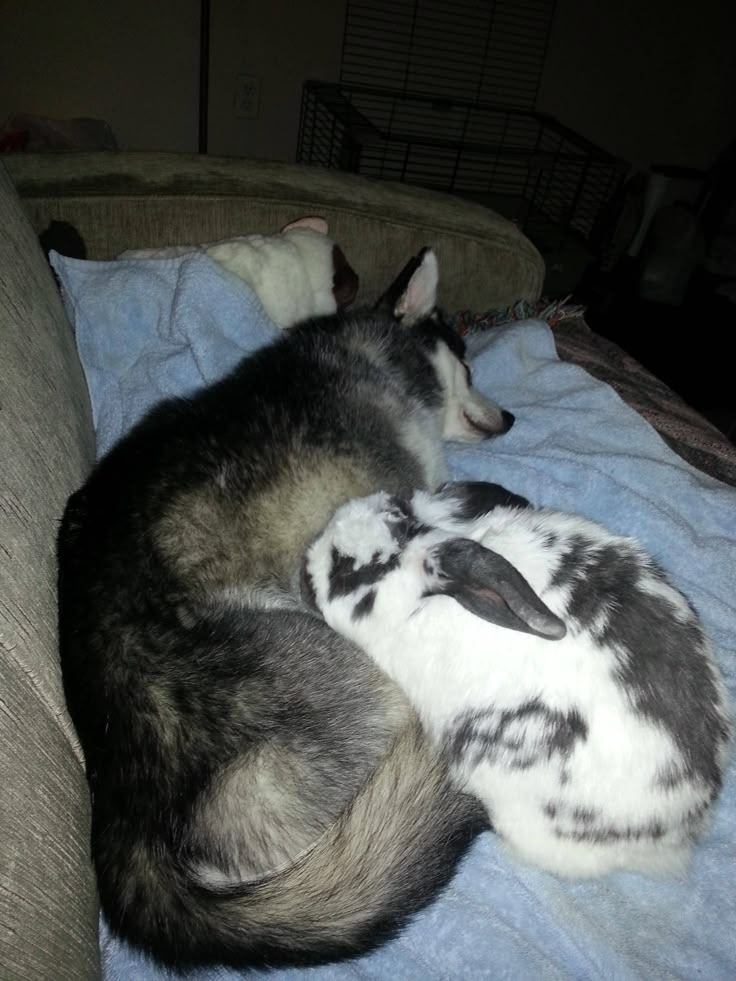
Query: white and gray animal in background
{"points": [[571, 683], [297, 273]]}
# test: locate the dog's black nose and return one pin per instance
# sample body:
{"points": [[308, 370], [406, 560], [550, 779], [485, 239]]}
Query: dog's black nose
{"points": [[508, 419]]}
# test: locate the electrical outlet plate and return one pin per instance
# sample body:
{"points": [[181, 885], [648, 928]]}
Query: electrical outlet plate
{"points": [[247, 96]]}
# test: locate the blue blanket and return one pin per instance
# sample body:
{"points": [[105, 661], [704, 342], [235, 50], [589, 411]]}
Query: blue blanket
{"points": [[148, 329], [575, 446]]}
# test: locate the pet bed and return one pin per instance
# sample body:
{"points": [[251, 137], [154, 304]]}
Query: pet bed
{"points": [[576, 445]]}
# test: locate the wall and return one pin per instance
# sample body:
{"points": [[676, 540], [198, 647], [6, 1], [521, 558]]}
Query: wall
{"points": [[647, 79], [650, 80], [653, 81], [282, 42], [136, 66], [133, 64]]}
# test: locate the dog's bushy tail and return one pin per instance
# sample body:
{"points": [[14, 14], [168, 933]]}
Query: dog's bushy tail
{"points": [[388, 855]]}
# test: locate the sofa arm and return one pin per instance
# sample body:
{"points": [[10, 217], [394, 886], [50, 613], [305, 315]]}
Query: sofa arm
{"points": [[139, 200], [48, 909]]}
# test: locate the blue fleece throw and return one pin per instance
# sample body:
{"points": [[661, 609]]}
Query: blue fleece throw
{"points": [[149, 329]]}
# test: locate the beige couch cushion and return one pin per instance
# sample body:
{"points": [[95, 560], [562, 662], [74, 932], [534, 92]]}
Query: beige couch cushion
{"points": [[47, 896], [128, 200]]}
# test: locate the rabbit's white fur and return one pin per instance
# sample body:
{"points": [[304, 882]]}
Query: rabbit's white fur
{"points": [[602, 750]]}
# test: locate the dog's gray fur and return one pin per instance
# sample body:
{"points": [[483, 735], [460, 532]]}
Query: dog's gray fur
{"points": [[260, 791]]}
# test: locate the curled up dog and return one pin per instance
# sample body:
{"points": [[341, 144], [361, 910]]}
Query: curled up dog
{"points": [[261, 792]]}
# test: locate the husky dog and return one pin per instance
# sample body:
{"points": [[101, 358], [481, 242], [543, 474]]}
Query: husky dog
{"points": [[261, 792]]}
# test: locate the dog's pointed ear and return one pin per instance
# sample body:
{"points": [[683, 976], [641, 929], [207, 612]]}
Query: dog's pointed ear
{"points": [[486, 584], [413, 294]]}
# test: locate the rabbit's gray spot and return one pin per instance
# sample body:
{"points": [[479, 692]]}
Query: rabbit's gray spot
{"points": [[595, 574], [403, 523], [661, 669], [364, 607], [518, 737], [608, 600], [344, 578], [608, 834], [576, 815], [579, 823], [572, 561], [407, 529], [607, 573], [585, 815], [565, 730], [670, 777]]}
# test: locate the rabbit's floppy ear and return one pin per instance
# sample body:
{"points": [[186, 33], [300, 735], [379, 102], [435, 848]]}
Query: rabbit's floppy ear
{"points": [[477, 498], [486, 584]]}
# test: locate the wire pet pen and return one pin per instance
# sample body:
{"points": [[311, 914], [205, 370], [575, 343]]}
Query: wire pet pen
{"points": [[523, 164]]}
